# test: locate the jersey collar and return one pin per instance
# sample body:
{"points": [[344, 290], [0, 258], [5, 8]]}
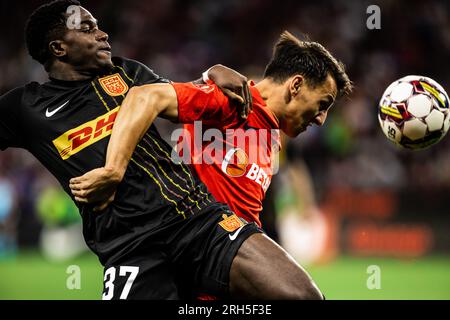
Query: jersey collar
{"points": [[66, 83]]}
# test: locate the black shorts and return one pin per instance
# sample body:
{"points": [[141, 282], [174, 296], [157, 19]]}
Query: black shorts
{"points": [[181, 259]]}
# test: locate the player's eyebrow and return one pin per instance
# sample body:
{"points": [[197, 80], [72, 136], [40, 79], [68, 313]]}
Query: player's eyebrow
{"points": [[90, 21]]}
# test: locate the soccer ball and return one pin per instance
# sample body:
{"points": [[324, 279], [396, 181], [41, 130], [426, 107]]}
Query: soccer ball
{"points": [[414, 112]]}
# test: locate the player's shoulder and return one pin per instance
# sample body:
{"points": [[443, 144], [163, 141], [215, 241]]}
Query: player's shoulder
{"points": [[17, 95], [138, 71], [29, 87], [126, 62], [205, 96], [13, 92], [194, 86]]}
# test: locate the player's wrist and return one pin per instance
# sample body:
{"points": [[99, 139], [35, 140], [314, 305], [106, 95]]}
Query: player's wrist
{"points": [[115, 174], [205, 75]]}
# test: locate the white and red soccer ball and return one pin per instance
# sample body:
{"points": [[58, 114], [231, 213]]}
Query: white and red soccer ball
{"points": [[414, 112]]}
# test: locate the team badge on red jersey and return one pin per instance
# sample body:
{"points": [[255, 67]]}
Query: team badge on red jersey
{"points": [[114, 85], [231, 223], [235, 162]]}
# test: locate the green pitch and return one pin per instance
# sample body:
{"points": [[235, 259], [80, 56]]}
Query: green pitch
{"points": [[346, 278], [29, 276]]}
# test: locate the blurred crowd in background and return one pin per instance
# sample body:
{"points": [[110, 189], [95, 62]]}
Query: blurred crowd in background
{"points": [[348, 156]]}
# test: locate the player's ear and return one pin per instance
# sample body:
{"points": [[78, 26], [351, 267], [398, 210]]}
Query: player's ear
{"points": [[296, 84], [57, 48]]}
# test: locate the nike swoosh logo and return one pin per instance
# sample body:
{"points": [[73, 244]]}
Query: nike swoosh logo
{"points": [[235, 234], [48, 114]]}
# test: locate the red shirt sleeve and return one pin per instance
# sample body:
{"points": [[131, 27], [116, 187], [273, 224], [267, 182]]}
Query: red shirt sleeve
{"points": [[204, 102]]}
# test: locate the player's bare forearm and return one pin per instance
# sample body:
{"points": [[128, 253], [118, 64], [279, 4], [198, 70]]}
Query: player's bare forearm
{"points": [[138, 111]]}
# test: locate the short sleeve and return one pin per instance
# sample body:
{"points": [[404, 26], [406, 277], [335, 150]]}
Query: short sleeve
{"points": [[10, 133], [204, 102]]}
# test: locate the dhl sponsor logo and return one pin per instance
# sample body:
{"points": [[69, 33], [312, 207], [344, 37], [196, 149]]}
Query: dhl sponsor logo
{"points": [[76, 139]]}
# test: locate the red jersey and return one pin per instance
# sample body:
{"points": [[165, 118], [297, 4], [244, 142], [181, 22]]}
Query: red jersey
{"points": [[232, 157]]}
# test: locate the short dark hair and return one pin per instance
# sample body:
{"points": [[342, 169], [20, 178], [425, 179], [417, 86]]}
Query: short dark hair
{"points": [[45, 24], [292, 56]]}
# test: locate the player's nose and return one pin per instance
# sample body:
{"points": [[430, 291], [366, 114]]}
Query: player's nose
{"points": [[320, 118], [102, 36]]}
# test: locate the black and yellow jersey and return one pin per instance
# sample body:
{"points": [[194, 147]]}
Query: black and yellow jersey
{"points": [[66, 125]]}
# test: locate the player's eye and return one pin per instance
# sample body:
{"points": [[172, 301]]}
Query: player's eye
{"points": [[89, 29], [325, 105]]}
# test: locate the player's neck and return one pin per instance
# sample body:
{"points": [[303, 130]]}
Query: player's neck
{"points": [[271, 94], [66, 72]]}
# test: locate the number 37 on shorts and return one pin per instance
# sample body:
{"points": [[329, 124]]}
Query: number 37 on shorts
{"points": [[117, 278]]}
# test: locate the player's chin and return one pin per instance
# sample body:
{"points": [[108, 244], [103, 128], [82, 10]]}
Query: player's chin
{"points": [[291, 128], [105, 63], [104, 57]]}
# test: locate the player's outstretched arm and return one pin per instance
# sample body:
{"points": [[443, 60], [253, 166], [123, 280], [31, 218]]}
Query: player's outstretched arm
{"points": [[138, 111]]}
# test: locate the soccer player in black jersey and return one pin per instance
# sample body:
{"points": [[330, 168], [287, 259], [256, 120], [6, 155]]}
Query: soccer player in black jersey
{"points": [[164, 235]]}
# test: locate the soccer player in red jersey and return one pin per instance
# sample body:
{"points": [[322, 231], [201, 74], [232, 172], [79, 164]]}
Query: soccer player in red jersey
{"points": [[300, 84], [237, 166]]}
